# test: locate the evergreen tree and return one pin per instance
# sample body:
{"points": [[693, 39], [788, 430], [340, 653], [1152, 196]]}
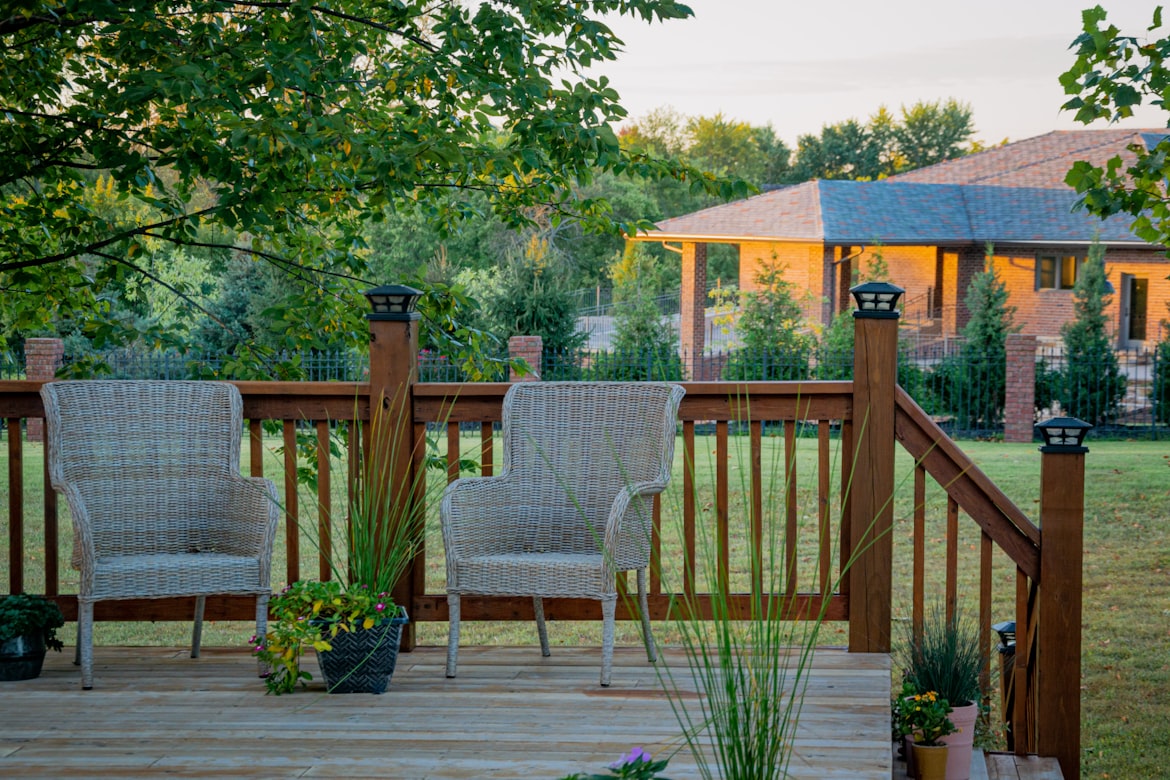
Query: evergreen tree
{"points": [[645, 345], [770, 326], [1093, 383], [972, 385]]}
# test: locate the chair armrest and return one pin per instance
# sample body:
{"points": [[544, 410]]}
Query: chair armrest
{"points": [[621, 537], [250, 518], [84, 552], [476, 514]]}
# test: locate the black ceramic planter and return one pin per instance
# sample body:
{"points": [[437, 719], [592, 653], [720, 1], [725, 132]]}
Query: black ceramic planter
{"points": [[21, 657]]}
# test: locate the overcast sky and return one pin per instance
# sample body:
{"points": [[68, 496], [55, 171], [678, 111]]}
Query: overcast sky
{"points": [[800, 65]]}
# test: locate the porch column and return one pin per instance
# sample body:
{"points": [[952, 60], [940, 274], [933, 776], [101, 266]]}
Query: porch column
{"points": [[393, 371], [875, 373], [692, 321], [1019, 408], [826, 274], [1058, 636], [971, 261]]}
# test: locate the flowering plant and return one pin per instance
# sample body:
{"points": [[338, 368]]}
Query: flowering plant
{"points": [[635, 765], [925, 716], [309, 613]]}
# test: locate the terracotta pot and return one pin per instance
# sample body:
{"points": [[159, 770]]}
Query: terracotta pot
{"points": [[930, 761], [961, 742]]}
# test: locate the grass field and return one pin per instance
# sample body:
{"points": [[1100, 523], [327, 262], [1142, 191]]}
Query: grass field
{"points": [[1126, 659]]}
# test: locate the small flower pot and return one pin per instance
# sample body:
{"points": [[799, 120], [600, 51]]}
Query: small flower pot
{"points": [[22, 657], [930, 761]]}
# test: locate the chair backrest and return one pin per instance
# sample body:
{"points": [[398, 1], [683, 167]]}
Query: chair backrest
{"points": [[146, 457], [576, 444]]}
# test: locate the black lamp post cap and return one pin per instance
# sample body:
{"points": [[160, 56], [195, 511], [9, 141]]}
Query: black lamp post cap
{"points": [[1063, 434], [393, 302], [878, 300]]}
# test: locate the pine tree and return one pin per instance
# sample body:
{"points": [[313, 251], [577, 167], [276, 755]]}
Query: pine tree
{"points": [[1093, 383], [972, 385]]}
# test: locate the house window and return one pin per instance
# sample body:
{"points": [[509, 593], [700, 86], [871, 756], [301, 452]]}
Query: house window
{"points": [[1057, 272]]}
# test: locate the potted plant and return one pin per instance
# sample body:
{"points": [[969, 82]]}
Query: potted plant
{"points": [[924, 716], [28, 627], [946, 659], [351, 620]]}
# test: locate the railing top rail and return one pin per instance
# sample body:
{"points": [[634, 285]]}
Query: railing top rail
{"points": [[974, 492], [812, 400]]}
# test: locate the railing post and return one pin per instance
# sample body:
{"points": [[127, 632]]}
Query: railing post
{"points": [[1058, 636], [875, 375], [393, 371]]}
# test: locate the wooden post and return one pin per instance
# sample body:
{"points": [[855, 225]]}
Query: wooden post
{"points": [[393, 371], [1058, 660], [875, 372]]}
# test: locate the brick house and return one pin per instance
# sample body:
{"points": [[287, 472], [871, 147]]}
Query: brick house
{"points": [[931, 227]]}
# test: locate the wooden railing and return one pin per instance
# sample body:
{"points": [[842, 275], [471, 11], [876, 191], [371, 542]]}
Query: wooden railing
{"points": [[720, 510]]}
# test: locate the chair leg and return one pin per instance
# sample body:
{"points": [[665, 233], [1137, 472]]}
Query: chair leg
{"points": [[85, 642], [644, 605], [197, 632], [452, 632], [608, 614], [541, 628], [261, 627], [77, 648]]}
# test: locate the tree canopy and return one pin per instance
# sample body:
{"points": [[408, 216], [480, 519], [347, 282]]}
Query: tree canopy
{"points": [[275, 129], [1112, 75]]}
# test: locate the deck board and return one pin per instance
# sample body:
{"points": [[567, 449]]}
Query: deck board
{"points": [[509, 714]]}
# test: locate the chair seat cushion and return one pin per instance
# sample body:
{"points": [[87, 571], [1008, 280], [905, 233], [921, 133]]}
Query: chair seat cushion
{"points": [[184, 574], [552, 575]]}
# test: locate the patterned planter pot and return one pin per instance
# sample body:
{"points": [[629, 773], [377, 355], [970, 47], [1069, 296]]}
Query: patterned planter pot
{"points": [[362, 661]]}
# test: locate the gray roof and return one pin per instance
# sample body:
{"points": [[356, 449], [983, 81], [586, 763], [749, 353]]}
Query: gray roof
{"points": [[1011, 193], [894, 212]]}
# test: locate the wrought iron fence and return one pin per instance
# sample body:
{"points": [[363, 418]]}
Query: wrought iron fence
{"points": [[12, 364]]}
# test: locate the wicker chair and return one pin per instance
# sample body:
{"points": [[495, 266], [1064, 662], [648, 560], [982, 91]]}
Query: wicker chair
{"points": [[572, 505], [150, 470]]}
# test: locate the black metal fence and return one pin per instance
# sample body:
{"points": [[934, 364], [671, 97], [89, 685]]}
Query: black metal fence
{"points": [[12, 364], [1124, 393]]}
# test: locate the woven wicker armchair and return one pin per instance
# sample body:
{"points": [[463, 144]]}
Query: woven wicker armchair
{"points": [[572, 506], [150, 470]]}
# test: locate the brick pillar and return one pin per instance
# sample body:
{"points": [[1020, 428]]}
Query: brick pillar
{"points": [[692, 321], [1019, 409], [824, 269], [530, 349], [42, 358]]}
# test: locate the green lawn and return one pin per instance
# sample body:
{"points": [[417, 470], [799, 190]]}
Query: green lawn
{"points": [[1127, 577]]}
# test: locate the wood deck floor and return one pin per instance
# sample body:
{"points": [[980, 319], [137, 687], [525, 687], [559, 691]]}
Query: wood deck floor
{"points": [[509, 714]]}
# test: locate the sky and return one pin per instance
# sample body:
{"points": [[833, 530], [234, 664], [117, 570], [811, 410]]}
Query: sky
{"points": [[802, 64]]}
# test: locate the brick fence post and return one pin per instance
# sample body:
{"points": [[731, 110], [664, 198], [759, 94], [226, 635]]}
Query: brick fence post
{"points": [[42, 358], [530, 349], [1019, 409]]}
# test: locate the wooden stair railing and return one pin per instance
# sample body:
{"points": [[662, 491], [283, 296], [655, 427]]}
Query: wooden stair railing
{"points": [[1045, 711]]}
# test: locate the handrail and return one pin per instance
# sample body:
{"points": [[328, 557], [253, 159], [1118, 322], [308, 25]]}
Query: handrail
{"points": [[971, 489]]}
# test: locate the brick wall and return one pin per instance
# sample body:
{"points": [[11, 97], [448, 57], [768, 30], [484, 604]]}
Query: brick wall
{"points": [[1041, 313], [1020, 396], [42, 358], [530, 349]]}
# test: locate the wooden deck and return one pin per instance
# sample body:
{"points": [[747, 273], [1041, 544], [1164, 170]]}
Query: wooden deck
{"points": [[509, 714]]}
